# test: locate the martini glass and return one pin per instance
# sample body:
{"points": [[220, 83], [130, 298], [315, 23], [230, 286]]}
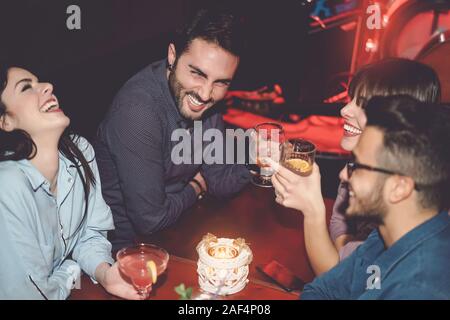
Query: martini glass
{"points": [[134, 263]]}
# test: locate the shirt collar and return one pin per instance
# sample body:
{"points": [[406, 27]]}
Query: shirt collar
{"points": [[35, 176], [410, 241], [32, 173], [66, 164]]}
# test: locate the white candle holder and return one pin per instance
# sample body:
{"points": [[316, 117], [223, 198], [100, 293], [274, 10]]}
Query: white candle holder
{"points": [[223, 264]]}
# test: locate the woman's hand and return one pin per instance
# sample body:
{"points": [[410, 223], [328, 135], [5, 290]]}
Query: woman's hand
{"points": [[305, 194], [299, 192], [111, 279]]}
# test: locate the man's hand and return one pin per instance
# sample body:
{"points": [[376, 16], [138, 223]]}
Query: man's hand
{"points": [[298, 192], [111, 279], [202, 182]]}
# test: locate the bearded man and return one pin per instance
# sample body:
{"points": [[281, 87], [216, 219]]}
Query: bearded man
{"points": [[146, 189], [399, 179]]}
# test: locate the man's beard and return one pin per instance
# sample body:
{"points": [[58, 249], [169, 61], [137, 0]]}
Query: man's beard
{"points": [[176, 89], [370, 209]]}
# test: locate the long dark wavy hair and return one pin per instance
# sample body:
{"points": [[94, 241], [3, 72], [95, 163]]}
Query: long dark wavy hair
{"points": [[18, 145]]}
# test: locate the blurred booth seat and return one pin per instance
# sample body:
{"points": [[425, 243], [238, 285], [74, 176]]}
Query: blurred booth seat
{"points": [[324, 131]]}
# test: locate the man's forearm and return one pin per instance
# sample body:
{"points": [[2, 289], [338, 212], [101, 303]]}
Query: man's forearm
{"points": [[225, 180], [153, 216]]}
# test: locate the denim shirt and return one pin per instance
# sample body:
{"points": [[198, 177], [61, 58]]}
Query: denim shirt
{"points": [[40, 257], [417, 266]]}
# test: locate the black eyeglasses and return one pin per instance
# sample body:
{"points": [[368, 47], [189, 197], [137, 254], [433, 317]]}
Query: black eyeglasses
{"points": [[352, 166]]}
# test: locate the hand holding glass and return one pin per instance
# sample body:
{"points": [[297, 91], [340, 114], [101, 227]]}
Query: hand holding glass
{"points": [[142, 264]]}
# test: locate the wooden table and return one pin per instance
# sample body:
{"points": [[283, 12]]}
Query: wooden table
{"points": [[179, 271], [272, 231]]}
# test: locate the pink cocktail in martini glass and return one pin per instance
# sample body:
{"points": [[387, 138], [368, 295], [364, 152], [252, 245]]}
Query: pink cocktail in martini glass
{"points": [[134, 263]]}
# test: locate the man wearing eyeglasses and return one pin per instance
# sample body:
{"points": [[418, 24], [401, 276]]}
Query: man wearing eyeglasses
{"points": [[399, 179]]}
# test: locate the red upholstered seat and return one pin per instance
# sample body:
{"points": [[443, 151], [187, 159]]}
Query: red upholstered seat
{"points": [[324, 131]]}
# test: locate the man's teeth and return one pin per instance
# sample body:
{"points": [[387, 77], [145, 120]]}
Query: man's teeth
{"points": [[194, 101], [351, 129]]}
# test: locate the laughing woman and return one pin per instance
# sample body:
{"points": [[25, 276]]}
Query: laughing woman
{"points": [[53, 219], [383, 78]]}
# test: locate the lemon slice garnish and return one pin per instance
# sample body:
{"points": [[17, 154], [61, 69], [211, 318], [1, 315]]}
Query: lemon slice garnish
{"points": [[299, 164], [151, 268]]}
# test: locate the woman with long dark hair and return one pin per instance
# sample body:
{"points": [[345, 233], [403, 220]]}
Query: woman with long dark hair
{"points": [[53, 219]]}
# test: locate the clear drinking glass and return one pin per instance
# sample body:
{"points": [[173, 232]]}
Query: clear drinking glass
{"points": [[268, 137], [298, 155]]}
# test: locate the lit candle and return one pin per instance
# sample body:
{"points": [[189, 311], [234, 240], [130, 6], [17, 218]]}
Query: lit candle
{"points": [[223, 264]]}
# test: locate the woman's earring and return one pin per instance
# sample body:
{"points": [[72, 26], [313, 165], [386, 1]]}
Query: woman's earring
{"points": [[170, 67]]}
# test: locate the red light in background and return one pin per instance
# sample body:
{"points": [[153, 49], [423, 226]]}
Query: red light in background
{"points": [[371, 45]]}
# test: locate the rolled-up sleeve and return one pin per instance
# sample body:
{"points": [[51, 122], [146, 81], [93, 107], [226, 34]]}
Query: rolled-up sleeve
{"points": [[26, 268], [93, 247]]}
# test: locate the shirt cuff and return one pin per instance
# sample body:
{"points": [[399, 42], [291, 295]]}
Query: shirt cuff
{"points": [[190, 195], [73, 271], [94, 262]]}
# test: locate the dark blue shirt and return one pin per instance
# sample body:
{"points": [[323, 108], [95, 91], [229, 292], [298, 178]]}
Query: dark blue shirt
{"points": [[417, 266], [144, 188]]}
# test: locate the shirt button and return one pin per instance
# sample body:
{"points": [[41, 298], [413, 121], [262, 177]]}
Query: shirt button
{"points": [[69, 180]]}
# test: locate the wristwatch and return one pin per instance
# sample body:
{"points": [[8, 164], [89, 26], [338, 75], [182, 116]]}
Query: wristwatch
{"points": [[202, 193]]}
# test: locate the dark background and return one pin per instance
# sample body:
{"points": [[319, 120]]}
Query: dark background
{"points": [[119, 37]]}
